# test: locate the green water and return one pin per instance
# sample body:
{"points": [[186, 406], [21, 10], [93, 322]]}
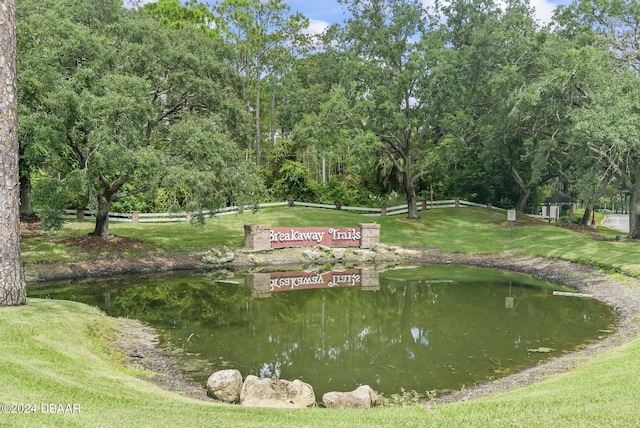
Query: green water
{"points": [[426, 329]]}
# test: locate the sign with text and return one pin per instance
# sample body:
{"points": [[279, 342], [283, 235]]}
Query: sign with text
{"points": [[511, 215], [309, 236], [285, 281]]}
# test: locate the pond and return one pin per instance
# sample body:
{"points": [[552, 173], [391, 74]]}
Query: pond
{"points": [[425, 329]]}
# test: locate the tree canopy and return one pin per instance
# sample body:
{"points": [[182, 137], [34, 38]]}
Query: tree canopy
{"points": [[161, 107], [119, 92]]}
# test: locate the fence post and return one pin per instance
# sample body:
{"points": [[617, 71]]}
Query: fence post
{"points": [[424, 204], [456, 202], [80, 213], [189, 216], [489, 206], [383, 211], [291, 202], [135, 216]]}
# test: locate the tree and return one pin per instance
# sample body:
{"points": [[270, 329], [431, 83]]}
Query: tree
{"points": [[508, 95], [120, 86], [55, 42], [608, 128], [174, 15], [609, 123], [262, 32], [43, 45], [207, 169], [392, 57], [12, 283]]}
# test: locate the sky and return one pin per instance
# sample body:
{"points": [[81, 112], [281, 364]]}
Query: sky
{"points": [[322, 13]]}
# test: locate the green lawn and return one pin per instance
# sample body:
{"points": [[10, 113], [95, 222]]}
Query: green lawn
{"points": [[465, 230], [54, 352]]}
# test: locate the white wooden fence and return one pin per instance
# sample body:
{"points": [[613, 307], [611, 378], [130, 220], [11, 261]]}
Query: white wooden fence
{"points": [[137, 217]]}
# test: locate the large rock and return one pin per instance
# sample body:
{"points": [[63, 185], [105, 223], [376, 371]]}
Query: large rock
{"points": [[362, 397], [365, 255], [225, 385], [216, 256], [258, 392], [408, 253], [382, 248], [339, 253], [312, 254]]}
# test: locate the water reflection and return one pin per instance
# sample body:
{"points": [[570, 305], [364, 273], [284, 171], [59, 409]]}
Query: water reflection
{"points": [[263, 284], [424, 329]]}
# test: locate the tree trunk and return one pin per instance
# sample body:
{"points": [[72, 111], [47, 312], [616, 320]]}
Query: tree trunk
{"points": [[634, 208], [258, 139], [105, 198], [525, 191], [273, 118], [12, 284], [586, 218], [26, 207], [412, 200], [524, 198], [102, 216]]}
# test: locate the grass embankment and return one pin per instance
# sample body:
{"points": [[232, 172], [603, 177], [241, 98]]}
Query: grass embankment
{"points": [[54, 352]]}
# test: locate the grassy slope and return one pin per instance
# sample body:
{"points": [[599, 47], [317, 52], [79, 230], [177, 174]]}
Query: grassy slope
{"points": [[466, 230], [53, 352]]}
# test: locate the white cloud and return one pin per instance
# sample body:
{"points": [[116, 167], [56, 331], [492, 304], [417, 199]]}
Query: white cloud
{"points": [[130, 4], [428, 3], [543, 9], [316, 27]]}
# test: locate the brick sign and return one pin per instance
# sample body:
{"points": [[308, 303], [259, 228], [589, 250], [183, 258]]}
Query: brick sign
{"points": [[309, 236], [285, 281], [264, 238]]}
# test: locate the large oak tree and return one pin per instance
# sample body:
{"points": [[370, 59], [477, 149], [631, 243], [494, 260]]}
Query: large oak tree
{"points": [[120, 87], [393, 52], [609, 123]]}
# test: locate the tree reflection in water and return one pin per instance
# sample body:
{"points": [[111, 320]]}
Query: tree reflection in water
{"points": [[423, 329]]}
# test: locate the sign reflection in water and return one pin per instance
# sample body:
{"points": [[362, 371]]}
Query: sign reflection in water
{"points": [[263, 284], [431, 328]]}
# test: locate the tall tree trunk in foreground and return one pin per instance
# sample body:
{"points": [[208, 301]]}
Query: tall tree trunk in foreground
{"points": [[12, 284]]}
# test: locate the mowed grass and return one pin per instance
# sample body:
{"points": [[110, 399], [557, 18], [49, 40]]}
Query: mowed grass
{"points": [[56, 352], [463, 230]]}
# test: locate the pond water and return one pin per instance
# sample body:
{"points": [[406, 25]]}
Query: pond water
{"points": [[424, 329]]}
